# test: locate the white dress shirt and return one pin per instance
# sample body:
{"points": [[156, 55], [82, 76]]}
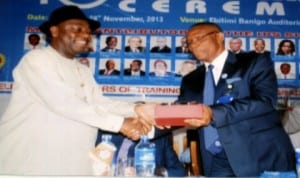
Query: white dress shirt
{"points": [[218, 64]]}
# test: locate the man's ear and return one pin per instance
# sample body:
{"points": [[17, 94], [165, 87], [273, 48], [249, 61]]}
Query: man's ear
{"points": [[220, 37], [54, 31]]}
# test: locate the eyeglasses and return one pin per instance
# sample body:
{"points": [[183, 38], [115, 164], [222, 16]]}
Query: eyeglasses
{"points": [[200, 38]]}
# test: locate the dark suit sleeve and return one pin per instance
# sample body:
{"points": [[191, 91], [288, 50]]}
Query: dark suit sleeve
{"points": [[166, 157], [255, 94]]}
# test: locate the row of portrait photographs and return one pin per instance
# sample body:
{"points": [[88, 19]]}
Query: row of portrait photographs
{"points": [[163, 44], [280, 48], [285, 70], [108, 67]]}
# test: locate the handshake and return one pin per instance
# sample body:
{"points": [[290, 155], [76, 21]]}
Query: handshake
{"points": [[165, 116], [135, 127]]}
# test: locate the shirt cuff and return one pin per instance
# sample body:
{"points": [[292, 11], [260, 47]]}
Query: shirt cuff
{"points": [[151, 133]]}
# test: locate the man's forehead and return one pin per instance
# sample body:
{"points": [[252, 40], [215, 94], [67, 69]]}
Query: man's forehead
{"points": [[76, 22], [202, 28]]}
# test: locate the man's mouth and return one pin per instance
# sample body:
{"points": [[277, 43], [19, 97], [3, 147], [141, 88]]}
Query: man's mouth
{"points": [[81, 42]]}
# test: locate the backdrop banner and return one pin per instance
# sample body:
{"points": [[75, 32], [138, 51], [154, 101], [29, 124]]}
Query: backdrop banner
{"points": [[158, 28]]}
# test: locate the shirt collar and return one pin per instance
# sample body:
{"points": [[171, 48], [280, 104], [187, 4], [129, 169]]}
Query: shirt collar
{"points": [[219, 61], [218, 64], [135, 72]]}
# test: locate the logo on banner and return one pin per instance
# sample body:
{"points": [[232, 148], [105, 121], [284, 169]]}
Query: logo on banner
{"points": [[80, 5], [2, 60], [85, 5]]}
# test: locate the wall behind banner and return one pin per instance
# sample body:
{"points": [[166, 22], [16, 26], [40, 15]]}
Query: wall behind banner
{"points": [[150, 20]]}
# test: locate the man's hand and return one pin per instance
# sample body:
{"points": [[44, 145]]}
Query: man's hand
{"points": [[133, 128], [146, 112], [204, 121]]}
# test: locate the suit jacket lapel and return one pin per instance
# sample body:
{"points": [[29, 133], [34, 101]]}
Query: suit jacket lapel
{"points": [[228, 71]]}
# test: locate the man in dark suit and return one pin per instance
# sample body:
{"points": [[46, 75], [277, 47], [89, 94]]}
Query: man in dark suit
{"points": [[135, 45], [109, 68], [111, 44], [135, 69], [183, 46], [249, 137], [161, 46], [160, 69], [235, 45], [259, 48], [166, 157]]}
